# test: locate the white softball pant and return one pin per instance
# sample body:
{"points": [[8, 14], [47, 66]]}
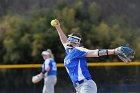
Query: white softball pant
{"points": [[88, 86], [49, 83]]}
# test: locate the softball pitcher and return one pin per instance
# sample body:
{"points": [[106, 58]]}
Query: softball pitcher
{"points": [[75, 61]]}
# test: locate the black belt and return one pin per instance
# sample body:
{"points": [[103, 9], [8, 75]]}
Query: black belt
{"points": [[81, 81]]}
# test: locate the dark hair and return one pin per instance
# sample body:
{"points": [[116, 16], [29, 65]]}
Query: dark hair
{"points": [[76, 34]]}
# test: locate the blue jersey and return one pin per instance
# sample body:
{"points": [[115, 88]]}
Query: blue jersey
{"points": [[52, 64], [76, 64]]}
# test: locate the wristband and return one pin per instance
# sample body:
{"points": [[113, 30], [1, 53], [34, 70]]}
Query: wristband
{"points": [[43, 72], [102, 52]]}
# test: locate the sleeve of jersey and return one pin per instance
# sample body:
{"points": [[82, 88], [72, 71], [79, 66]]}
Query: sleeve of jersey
{"points": [[47, 64], [80, 52]]}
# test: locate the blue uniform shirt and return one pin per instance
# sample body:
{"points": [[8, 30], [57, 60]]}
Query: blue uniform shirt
{"points": [[76, 64], [52, 64]]}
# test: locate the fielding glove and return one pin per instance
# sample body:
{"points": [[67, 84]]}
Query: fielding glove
{"points": [[125, 53], [37, 78]]}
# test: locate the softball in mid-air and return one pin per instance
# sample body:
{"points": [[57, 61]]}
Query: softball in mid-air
{"points": [[53, 23]]}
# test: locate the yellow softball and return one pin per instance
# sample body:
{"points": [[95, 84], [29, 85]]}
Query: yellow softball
{"points": [[53, 23]]}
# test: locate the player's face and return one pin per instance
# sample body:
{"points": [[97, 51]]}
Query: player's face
{"points": [[45, 57], [73, 42]]}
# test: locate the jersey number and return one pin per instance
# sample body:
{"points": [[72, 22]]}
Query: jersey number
{"points": [[54, 66]]}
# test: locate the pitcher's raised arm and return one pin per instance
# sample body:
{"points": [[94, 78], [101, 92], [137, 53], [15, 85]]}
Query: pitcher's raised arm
{"points": [[61, 34]]}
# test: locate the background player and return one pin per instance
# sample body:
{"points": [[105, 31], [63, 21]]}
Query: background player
{"points": [[49, 72]]}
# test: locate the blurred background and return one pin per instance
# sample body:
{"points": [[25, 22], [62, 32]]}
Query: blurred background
{"points": [[25, 31]]}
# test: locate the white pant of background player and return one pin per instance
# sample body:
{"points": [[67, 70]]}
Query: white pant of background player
{"points": [[49, 83], [88, 86]]}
